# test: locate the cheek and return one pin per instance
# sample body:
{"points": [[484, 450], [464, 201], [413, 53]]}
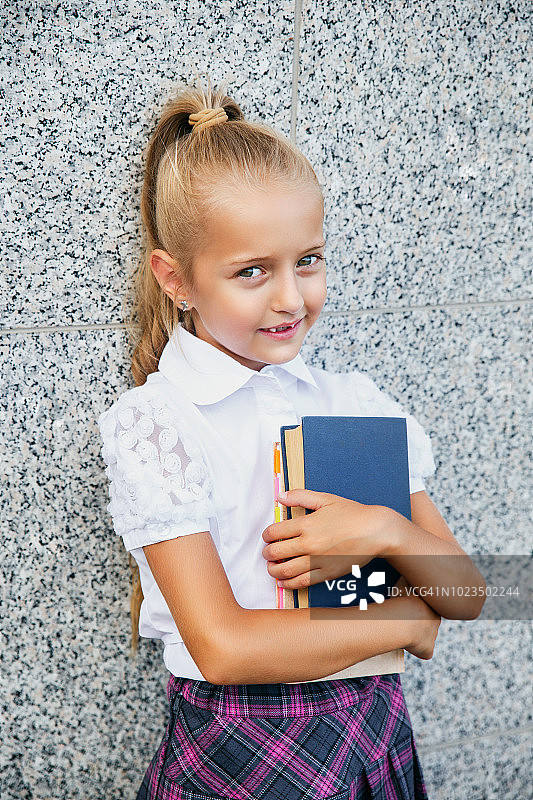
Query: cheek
{"points": [[318, 294], [235, 319]]}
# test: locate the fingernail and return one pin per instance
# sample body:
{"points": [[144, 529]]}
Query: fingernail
{"points": [[282, 496]]}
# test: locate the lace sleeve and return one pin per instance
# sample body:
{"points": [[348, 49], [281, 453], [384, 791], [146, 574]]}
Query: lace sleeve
{"points": [[374, 402], [159, 487]]}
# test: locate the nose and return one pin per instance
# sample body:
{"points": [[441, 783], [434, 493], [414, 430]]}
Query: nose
{"points": [[287, 295]]}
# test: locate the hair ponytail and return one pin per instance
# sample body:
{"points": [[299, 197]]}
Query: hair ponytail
{"points": [[154, 315], [186, 164]]}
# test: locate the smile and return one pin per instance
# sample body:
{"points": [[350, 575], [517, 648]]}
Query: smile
{"points": [[281, 331]]}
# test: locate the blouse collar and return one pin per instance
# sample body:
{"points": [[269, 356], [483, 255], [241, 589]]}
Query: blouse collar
{"points": [[207, 374]]}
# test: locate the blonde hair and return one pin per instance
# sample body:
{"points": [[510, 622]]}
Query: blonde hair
{"points": [[188, 170]]}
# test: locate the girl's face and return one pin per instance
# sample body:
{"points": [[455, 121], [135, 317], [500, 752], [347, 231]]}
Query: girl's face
{"points": [[263, 267]]}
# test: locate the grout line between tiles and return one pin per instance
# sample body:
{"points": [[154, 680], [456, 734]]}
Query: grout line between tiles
{"points": [[355, 312], [89, 326], [429, 307], [468, 740], [295, 68]]}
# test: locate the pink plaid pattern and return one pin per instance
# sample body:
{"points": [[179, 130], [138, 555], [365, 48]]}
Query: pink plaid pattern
{"points": [[329, 740]]}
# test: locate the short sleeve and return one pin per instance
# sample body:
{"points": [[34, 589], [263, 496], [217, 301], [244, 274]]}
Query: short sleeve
{"points": [[375, 402], [160, 487]]}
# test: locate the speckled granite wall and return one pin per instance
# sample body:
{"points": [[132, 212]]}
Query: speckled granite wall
{"points": [[417, 118]]}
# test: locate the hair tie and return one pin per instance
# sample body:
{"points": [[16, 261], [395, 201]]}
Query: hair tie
{"points": [[207, 117]]}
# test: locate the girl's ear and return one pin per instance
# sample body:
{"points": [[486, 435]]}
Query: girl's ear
{"points": [[166, 272]]}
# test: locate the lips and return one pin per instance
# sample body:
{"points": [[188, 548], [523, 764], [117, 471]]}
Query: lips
{"points": [[280, 328], [282, 332]]}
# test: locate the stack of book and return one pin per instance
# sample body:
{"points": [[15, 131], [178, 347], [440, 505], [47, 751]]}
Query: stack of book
{"points": [[359, 458]]}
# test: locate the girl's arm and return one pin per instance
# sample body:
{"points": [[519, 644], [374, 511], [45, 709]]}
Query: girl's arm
{"points": [[423, 550], [427, 554], [233, 645]]}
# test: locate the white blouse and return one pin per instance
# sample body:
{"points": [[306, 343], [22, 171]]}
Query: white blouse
{"points": [[191, 450]]}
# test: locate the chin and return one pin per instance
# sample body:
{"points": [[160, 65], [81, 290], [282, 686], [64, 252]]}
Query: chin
{"points": [[281, 358]]}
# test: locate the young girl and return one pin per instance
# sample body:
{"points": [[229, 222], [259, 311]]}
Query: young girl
{"points": [[234, 278]]}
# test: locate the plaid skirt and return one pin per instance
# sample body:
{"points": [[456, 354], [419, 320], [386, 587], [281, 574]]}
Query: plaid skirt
{"points": [[345, 739]]}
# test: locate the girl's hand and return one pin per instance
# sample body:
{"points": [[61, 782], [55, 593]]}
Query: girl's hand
{"points": [[426, 623], [350, 531]]}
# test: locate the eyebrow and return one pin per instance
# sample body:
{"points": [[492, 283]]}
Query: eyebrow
{"points": [[239, 261]]}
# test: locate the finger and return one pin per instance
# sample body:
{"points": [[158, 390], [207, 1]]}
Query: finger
{"points": [[306, 498], [288, 548], [286, 529], [286, 570], [303, 581]]}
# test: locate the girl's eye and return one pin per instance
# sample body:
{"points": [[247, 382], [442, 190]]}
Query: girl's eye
{"points": [[309, 263], [306, 261], [247, 269]]}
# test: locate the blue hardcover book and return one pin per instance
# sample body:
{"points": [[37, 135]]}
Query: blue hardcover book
{"points": [[359, 458]]}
